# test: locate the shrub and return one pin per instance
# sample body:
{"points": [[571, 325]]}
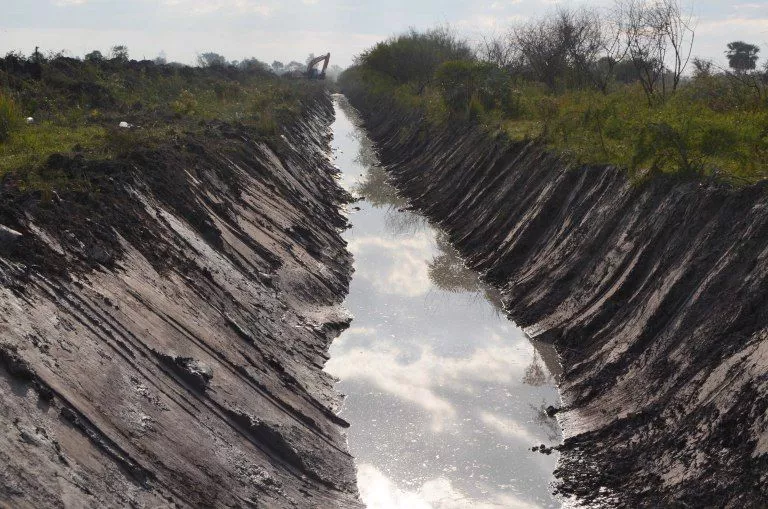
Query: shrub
{"points": [[186, 103], [457, 80], [718, 140], [415, 56], [10, 117], [662, 147]]}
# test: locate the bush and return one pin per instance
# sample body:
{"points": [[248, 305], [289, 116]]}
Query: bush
{"points": [[10, 117], [457, 81], [471, 88], [186, 104], [414, 56], [661, 147]]}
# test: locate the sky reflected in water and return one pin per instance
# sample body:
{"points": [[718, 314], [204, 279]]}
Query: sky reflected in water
{"points": [[444, 394]]}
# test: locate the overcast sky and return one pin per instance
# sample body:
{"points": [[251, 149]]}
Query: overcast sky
{"points": [[290, 29]]}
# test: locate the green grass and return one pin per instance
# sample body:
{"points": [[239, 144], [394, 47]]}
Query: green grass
{"points": [[711, 126], [31, 145], [77, 107]]}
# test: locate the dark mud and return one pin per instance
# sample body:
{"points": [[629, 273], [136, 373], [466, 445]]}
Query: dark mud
{"points": [[654, 295], [165, 322]]}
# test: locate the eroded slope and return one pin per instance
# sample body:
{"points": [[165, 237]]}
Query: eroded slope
{"points": [[163, 328], [655, 296]]}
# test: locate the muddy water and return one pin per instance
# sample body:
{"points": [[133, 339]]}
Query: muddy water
{"points": [[444, 394]]}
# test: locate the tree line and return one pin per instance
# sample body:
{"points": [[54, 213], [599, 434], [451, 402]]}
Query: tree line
{"points": [[619, 86]]}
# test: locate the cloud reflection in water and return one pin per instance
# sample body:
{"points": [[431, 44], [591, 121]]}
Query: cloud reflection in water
{"points": [[445, 395]]}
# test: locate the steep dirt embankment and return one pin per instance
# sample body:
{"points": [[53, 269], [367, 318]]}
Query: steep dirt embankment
{"points": [[654, 295], [164, 324]]}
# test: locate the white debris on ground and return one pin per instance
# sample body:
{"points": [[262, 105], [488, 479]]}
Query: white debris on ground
{"points": [[30, 120], [125, 125]]}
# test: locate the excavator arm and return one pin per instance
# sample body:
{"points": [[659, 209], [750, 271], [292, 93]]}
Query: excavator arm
{"points": [[312, 63]]}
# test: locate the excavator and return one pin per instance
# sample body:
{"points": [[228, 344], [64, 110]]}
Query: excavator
{"points": [[312, 72]]}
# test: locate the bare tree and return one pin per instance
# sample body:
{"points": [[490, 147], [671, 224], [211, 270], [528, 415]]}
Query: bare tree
{"points": [[645, 43], [500, 50], [583, 39], [567, 45], [542, 50], [678, 30], [614, 49], [657, 31]]}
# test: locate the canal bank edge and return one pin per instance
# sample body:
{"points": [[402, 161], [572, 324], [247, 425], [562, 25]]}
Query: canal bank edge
{"points": [[654, 295], [163, 335]]}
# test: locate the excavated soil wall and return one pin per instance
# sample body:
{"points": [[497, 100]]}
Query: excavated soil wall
{"points": [[164, 324], [655, 296]]}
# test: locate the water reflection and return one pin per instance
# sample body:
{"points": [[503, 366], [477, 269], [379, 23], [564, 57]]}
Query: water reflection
{"points": [[445, 395]]}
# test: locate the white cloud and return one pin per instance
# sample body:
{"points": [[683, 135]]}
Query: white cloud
{"points": [[203, 7], [404, 272], [506, 426], [420, 380], [489, 22], [379, 492]]}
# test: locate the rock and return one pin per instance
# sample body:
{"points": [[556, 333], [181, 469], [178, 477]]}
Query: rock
{"points": [[30, 120], [199, 372], [552, 411], [17, 366], [8, 238], [195, 372], [124, 125]]}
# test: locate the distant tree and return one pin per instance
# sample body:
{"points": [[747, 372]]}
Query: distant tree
{"points": [[657, 32], [499, 50], [334, 72], [702, 68], [119, 53], [414, 56], [37, 57], [211, 59], [253, 64], [277, 67], [310, 57], [626, 71], [293, 65], [161, 58], [94, 56], [564, 46], [742, 56]]}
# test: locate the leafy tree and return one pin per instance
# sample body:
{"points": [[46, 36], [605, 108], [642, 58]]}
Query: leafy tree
{"points": [[253, 64], [457, 80], [119, 53], [742, 56], [278, 67], [293, 65], [211, 59], [414, 56], [94, 56], [702, 68]]}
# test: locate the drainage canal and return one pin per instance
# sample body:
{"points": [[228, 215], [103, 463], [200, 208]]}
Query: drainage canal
{"points": [[446, 397]]}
